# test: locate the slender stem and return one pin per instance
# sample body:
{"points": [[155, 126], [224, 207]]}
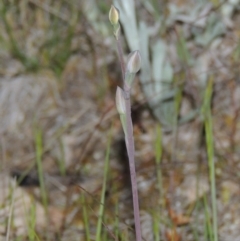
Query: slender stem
{"points": [[120, 56], [131, 151], [130, 145], [210, 152], [208, 127], [103, 193]]}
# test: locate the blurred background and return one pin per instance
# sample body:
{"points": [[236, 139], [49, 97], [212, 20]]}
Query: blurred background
{"points": [[58, 76]]}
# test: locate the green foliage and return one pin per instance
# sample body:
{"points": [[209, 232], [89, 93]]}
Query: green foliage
{"points": [[56, 49], [85, 216], [206, 109], [39, 153], [31, 64], [102, 201]]}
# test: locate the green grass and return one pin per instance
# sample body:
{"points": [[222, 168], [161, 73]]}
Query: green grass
{"points": [[61, 160], [103, 193], [39, 153], [32, 235], [158, 153], [10, 216], [85, 217], [210, 152], [56, 49], [208, 228], [31, 64]]}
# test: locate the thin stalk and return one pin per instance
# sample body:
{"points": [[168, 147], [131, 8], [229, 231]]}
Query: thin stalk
{"points": [[156, 221], [104, 187], [32, 223], [210, 152], [158, 153], [11, 211], [130, 146], [131, 152], [208, 226], [124, 108], [120, 56], [208, 126], [130, 143], [116, 221], [39, 153], [62, 161], [85, 217]]}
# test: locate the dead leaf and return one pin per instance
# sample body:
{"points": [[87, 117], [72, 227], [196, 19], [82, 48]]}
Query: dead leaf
{"points": [[172, 235], [177, 218]]}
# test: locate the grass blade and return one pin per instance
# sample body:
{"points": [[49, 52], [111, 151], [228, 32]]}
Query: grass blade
{"points": [[102, 202], [210, 152]]}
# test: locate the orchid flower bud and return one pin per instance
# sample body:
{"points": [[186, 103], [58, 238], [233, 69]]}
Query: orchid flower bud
{"points": [[133, 66], [113, 15], [121, 108], [120, 101], [134, 62]]}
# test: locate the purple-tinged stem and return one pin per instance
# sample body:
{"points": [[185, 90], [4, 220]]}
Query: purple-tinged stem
{"points": [[120, 56], [131, 152], [130, 146]]}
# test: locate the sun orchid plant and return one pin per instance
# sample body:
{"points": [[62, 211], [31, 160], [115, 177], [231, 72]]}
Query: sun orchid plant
{"points": [[123, 104]]}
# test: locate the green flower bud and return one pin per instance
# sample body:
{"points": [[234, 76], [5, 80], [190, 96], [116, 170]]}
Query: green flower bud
{"points": [[134, 62], [116, 30], [120, 101], [113, 15]]}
